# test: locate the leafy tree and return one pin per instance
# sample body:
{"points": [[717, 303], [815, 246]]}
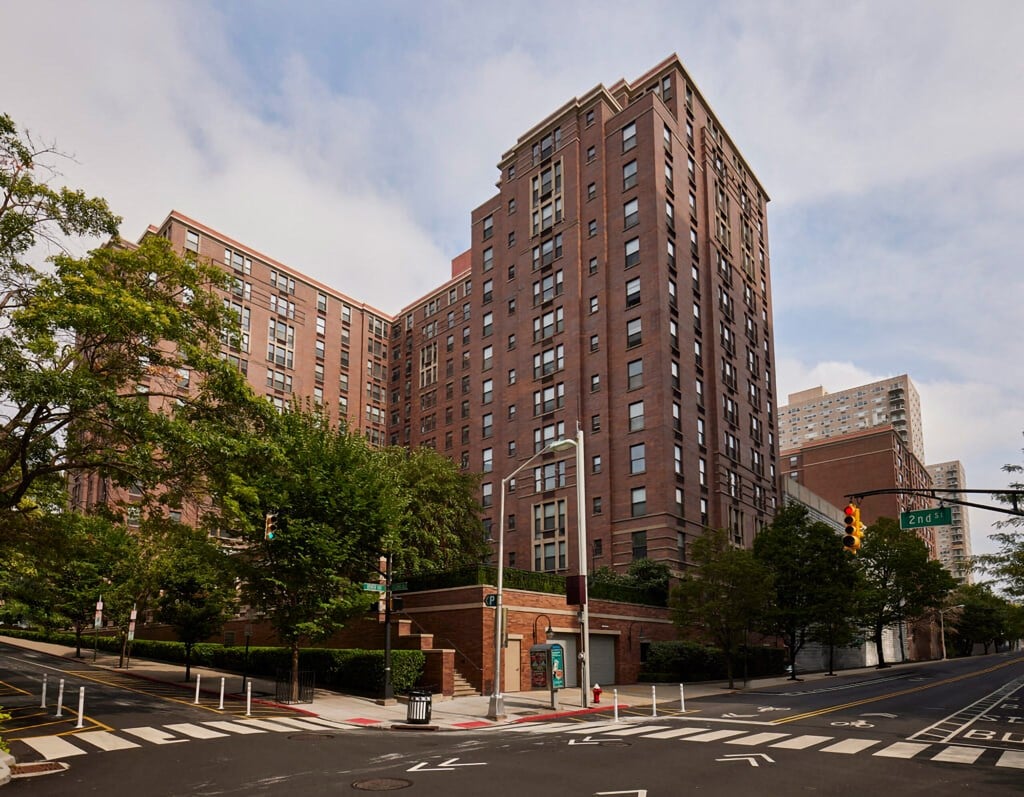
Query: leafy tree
{"points": [[1007, 564], [197, 589], [439, 524], [725, 596], [643, 574], [333, 505], [985, 618], [901, 582], [799, 554]]}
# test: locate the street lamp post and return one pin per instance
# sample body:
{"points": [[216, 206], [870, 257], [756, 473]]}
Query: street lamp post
{"points": [[496, 706], [942, 626]]}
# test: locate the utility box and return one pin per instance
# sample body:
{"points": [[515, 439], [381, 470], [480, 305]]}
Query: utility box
{"points": [[547, 669]]}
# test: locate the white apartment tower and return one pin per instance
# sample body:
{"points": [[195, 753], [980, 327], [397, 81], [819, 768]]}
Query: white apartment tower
{"points": [[953, 542], [815, 414]]}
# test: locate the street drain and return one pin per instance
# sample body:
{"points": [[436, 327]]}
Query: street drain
{"points": [[38, 768], [382, 784], [310, 737]]}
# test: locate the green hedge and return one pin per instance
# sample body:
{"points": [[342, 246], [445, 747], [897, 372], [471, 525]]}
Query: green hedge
{"points": [[360, 671], [690, 661]]}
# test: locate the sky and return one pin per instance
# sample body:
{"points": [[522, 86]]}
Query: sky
{"points": [[352, 140]]}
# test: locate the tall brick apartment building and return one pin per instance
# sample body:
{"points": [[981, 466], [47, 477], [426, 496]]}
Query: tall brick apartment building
{"points": [[618, 280]]}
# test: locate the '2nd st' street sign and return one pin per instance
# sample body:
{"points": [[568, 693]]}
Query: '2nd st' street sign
{"points": [[917, 518]]}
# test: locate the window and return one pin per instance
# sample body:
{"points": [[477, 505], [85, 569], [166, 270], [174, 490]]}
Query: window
{"points": [[548, 288], [548, 399], [629, 175], [321, 325], [668, 176], [547, 435], [595, 383], [638, 502], [634, 332], [488, 323], [488, 357], [511, 376], [488, 291], [591, 154], [592, 266], [636, 416], [632, 252], [487, 460], [631, 213], [593, 304], [488, 258], [487, 424], [635, 374], [592, 228], [548, 324], [192, 241], [639, 544], [629, 137], [319, 349], [595, 504], [589, 118], [488, 227], [595, 343], [637, 458], [702, 472], [487, 394], [548, 361], [633, 292], [595, 463], [591, 191], [487, 494], [670, 215], [549, 477], [677, 459]]}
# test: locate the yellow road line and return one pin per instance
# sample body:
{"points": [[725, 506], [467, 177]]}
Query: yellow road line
{"points": [[911, 690]]}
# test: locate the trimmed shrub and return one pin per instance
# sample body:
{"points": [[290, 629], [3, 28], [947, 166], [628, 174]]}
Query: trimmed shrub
{"points": [[690, 661]]}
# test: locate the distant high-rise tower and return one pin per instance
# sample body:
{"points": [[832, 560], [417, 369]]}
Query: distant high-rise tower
{"points": [[953, 541], [814, 415], [619, 283]]}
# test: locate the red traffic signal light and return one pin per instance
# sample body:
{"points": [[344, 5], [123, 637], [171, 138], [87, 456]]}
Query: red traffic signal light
{"points": [[852, 533]]}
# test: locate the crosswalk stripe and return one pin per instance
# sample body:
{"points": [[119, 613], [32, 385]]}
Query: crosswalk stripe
{"points": [[959, 755], [233, 727], [1011, 758], [105, 740], [51, 747], [267, 725], [850, 746], [635, 730], [153, 735], [675, 733], [758, 738], [195, 731], [802, 742], [301, 724], [901, 750], [713, 736], [533, 727], [326, 723], [596, 727]]}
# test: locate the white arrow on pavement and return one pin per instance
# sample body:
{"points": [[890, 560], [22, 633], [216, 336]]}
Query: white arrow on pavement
{"points": [[637, 792], [772, 708], [730, 715], [887, 716], [444, 766], [751, 759], [587, 740]]}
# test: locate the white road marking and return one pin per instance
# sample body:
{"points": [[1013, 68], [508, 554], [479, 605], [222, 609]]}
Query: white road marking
{"points": [[802, 742], [901, 750], [850, 746], [234, 727], [675, 733], [713, 736], [105, 740], [1011, 758], [267, 725], [195, 731], [758, 738], [154, 735], [51, 747], [959, 755], [636, 730]]}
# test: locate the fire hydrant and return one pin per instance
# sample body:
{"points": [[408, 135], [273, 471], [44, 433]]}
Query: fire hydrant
{"points": [[597, 693]]}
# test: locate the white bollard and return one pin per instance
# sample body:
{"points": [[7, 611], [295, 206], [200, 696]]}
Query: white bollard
{"points": [[42, 704], [654, 701], [615, 700], [81, 705], [221, 706], [199, 678], [60, 699], [682, 699], [248, 699]]}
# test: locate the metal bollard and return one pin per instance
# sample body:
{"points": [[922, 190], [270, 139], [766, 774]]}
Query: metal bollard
{"points": [[615, 700], [60, 699], [199, 678], [42, 704], [682, 699], [248, 699], [654, 701], [221, 706], [81, 705]]}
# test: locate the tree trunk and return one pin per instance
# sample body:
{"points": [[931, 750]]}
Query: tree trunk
{"points": [[188, 661], [878, 647], [295, 671], [728, 670], [78, 640], [124, 649]]}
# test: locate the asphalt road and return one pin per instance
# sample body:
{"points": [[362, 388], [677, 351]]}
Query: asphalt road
{"points": [[941, 729]]}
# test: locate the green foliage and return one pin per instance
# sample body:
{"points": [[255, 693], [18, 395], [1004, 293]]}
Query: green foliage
{"points": [[686, 662], [813, 580], [724, 597], [646, 581], [984, 618], [1007, 564], [901, 582]]}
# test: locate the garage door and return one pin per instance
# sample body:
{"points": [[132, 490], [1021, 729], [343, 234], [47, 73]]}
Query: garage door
{"points": [[602, 660]]}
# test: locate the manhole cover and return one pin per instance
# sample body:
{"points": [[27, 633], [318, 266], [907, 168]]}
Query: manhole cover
{"points": [[310, 737], [382, 784], [38, 768]]}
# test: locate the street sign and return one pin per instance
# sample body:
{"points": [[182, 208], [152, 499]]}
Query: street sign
{"points": [[917, 518], [490, 601], [374, 588], [400, 586]]}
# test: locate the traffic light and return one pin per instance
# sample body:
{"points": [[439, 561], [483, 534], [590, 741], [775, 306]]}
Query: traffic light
{"points": [[853, 532], [268, 526]]}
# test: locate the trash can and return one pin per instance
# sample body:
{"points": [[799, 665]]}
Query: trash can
{"points": [[420, 702]]}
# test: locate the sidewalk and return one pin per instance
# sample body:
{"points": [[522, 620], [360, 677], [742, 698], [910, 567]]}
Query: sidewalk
{"points": [[447, 713]]}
